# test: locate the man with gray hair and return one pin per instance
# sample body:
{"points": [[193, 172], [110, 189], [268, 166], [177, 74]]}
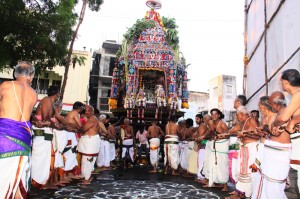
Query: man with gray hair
{"points": [[17, 100], [103, 160], [246, 153]]}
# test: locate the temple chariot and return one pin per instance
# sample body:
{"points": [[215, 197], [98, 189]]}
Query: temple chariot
{"points": [[150, 78]]}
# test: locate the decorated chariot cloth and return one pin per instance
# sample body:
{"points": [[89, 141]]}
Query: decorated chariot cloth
{"points": [[154, 150], [103, 158], [244, 175], [274, 171], [183, 154], [295, 155], [88, 147], [15, 142], [60, 141], [201, 158], [127, 149], [218, 162], [193, 158], [42, 159], [171, 151]]}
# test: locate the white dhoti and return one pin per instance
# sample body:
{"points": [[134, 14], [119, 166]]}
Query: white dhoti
{"points": [[295, 156], [274, 171], [69, 152], [207, 154], [154, 150], [244, 175], [103, 159], [41, 156], [112, 149], [15, 173], [201, 157], [183, 158], [60, 141], [127, 149], [15, 141], [218, 167], [88, 147], [171, 151], [193, 158]]}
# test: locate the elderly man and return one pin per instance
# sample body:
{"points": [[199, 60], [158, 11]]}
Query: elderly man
{"points": [[247, 153], [89, 145], [290, 81], [17, 100]]}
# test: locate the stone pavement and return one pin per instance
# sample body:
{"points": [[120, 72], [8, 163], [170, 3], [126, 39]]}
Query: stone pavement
{"points": [[136, 182]]}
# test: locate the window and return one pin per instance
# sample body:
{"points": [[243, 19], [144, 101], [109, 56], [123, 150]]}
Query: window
{"points": [[229, 89], [41, 85]]}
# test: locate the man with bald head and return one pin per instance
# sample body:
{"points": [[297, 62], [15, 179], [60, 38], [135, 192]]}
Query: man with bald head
{"points": [[17, 100], [89, 144]]}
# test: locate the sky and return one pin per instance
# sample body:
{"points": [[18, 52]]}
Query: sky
{"points": [[210, 33]]}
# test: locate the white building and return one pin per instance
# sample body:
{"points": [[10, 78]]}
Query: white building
{"points": [[272, 45], [222, 92]]}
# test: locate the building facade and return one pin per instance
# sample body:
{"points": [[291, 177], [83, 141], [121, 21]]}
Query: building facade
{"points": [[101, 75], [222, 92], [77, 83]]}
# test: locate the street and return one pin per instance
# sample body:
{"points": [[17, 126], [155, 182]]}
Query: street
{"points": [[136, 182]]}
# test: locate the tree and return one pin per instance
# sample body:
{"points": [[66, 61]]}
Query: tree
{"points": [[36, 31], [94, 5]]}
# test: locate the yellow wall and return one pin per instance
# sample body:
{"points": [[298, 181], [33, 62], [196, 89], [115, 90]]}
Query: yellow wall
{"points": [[78, 79]]}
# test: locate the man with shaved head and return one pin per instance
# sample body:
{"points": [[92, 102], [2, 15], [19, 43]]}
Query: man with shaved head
{"points": [[89, 144], [128, 142]]}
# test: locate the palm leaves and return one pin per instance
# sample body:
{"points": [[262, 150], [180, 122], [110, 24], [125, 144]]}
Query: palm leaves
{"points": [[135, 31]]}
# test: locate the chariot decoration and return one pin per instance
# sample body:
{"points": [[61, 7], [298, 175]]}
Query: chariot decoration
{"points": [[150, 66]]}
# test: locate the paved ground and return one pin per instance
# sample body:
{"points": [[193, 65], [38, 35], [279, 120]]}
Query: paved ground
{"points": [[136, 182]]}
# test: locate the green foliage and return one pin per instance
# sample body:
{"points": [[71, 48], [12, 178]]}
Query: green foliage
{"points": [[78, 60], [135, 31], [171, 32], [36, 31], [94, 5]]}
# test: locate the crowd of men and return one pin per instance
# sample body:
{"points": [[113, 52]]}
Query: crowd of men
{"points": [[255, 153]]}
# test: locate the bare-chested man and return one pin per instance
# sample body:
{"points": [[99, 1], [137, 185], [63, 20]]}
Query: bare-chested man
{"points": [[42, 163], [75, 125], [207, 136], [290, 82], [111, 131], [247, 153], [201, 130], [103, 160], [219, 172], [128, 142], [17, 100], [171, 146], [89, 144], [154, 133]]}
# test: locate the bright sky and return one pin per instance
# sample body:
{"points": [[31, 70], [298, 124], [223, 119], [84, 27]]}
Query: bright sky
{"points": [[210, 33]]}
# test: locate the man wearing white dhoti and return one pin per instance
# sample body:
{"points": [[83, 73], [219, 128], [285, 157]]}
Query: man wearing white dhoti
{"points": [[127, 143], [218, 162], [103, 159], [17, 100], [171, 146], [89, 145], [155, 133], [246, 154], [290, 82]]}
